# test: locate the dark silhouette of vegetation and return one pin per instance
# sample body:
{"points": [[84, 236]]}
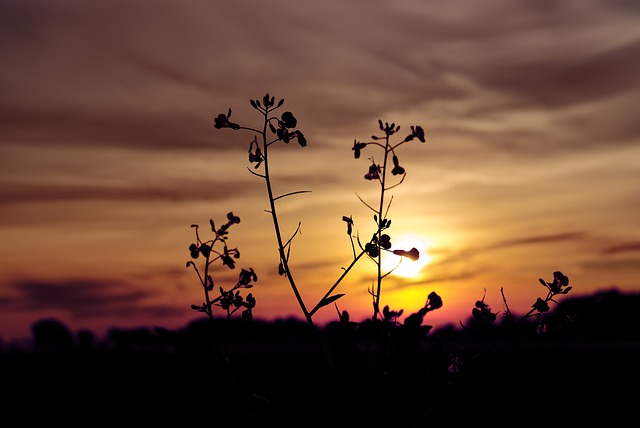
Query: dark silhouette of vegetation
{"points": [[576, 372]]}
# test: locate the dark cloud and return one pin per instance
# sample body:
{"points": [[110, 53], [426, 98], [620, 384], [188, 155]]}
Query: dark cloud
{"points": [[60, 127], [605, 266], [508, 243], [568, 81], [85, 299], [156, 78], [621, 248], [181, 191], [542, 239], [443, 277]]}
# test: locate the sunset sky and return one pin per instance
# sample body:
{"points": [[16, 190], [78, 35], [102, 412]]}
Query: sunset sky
{"points": [[108, 152]]}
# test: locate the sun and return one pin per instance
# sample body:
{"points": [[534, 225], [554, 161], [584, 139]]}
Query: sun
{"points": [[403, 266]]}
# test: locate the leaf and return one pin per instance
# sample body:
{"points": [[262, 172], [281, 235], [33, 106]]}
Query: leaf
{"points": [[329, 300]]}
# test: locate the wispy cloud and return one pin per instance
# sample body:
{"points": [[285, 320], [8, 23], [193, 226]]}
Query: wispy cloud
{"points": [[86, 299], [622, 248]]}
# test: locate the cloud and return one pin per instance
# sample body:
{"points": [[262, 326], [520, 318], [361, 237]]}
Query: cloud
{"points": [[85, 299], [621, 248], [468, 253], [542, 239], [184, 191], [156, 78], [442, 277], [67, 126]]}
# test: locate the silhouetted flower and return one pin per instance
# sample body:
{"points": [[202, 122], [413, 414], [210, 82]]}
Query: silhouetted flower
{"points": [[233, 219], [391, 316], [397, 169], [419, 133], [222, 121], [300, 137], [388, 129], [482, 312], [357, 147], [285, 135], [250, 301], [249, 304], [416, 132], [385, 241], [268, 102], [557, 285], [194, 251], [540, 305], [434, 301], [256, 157], [349, 222], [227, 260], [372, 248], [229, 298], [205, 250], [288, 120], [374, 172], [412, 254], [246, 276]]}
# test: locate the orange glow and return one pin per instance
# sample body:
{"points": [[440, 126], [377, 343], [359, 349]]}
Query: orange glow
{"points": [[403, 266]]}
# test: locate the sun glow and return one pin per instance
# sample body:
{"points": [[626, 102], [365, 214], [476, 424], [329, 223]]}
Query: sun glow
{"points": [[403, 266]]}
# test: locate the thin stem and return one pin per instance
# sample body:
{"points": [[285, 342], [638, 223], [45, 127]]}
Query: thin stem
{"points": [[276, 224], [376, 306]]}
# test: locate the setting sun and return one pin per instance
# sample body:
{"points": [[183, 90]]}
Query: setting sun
{"points": [[405, 267]]}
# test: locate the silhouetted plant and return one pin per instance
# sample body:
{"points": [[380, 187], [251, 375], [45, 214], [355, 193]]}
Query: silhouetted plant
{"points": [[229, 300], [283, 128], [378, 171], [482, 324]]}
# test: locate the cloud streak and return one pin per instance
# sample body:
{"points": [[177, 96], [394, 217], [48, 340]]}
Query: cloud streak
{"points": [[86, 299]]}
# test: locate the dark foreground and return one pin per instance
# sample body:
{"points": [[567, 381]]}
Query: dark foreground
{"points": [[275, 374], [519, 384]]}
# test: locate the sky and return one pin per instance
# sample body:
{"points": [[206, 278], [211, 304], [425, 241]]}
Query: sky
{"points": [[108, 152]]}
